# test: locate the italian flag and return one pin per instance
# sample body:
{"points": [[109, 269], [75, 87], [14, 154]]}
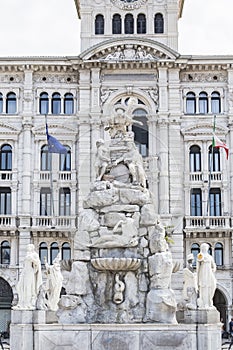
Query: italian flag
{"points": [[219, 144]]}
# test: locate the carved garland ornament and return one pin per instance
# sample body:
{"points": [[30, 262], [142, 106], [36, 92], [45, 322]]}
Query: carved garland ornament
{"points": [[129, 4]]}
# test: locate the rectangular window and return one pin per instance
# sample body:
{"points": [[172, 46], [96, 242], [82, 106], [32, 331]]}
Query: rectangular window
{"points": [[5, 201], [215, 202], [196, 202], [64, 201], [45, 202]]}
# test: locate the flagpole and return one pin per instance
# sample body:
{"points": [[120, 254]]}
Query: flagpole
{"points": [[51, 178], [211, 164]]}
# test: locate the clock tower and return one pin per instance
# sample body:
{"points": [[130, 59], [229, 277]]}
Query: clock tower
{"points": [[108, 19]]}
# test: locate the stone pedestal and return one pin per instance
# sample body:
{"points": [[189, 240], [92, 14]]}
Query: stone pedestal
{"points": [[201, 316]]}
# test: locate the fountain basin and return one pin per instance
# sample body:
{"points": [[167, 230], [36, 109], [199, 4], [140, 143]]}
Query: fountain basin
{"points": [[116, 264]]}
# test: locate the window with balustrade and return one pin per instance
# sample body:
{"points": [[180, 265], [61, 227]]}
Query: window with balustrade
{"points": [[5, 201], [45, 159], [116, 24], [196, 202], [195, 159], [5, 253], [65, 251], [65, 160], [99, 24], [214, 159], [218, 254], [45, 201], [215, 204]]}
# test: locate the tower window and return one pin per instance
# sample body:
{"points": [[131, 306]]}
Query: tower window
{"points": [[129, 24], [159, 23], [141, 24], [116, 24], [99, 24]]}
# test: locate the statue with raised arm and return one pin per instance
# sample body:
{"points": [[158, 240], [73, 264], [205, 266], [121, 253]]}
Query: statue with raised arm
{"points": [[206, 281], [30, 280], [54, 283], [102, 159]]}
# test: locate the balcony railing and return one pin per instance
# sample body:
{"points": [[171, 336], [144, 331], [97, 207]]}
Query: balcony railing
{"points": [[6, 175], [199, 176], [7, 221], [207, 221], [58, 221], [196, 176]]}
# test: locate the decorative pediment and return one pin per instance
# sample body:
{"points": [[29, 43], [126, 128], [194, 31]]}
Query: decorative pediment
{"points": [[203, 131], [8, 130], [128, 50], [55, 129]]}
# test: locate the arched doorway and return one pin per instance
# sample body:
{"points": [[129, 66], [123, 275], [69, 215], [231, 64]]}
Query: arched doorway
{"points": [[220, 303], [6, 297]]}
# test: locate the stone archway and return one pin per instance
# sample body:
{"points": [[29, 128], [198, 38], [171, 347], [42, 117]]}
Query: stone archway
{"points": [[6, 297], [220, 302]]}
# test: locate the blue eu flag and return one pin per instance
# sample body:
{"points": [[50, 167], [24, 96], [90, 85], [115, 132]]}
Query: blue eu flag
{"points": [[54, 146]]}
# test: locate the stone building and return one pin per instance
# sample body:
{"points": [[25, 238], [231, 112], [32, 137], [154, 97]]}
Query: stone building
{"points": [[128, 50]]}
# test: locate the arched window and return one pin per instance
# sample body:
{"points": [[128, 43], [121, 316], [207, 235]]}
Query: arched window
{"points": [[195, 249], [68, 104], [129, 24], [116, 24], [218, 254], [141, 131], [195, 159], [215, 103], [196, 202], [5, 200], [43, 252], [190, 103], [45, 159], [65, 160], [64, 201], [215, 202], [99, 24], [45, 201], [54, 250], [159, 23], [56, 103], [1, 103], [6, 158], [65, 251], [44, 103], [11, 103], [203, 103], [214, 159], [5, 252], [141, 24]]}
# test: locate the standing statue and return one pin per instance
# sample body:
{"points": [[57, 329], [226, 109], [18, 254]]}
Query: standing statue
{"points": [[54, 283], [30, 280], [190, 284], [206, 280], [102, 159]]}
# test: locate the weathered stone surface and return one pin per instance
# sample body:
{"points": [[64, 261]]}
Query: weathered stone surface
{"points": [[78, 281], [72, 309], [161, 306], [128, 208], [135, 196], [111, 219], [88, 220], [148, 215], [81, 240], [116, 340], [99, 199]]}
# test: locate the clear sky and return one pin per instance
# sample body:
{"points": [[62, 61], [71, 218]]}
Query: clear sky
{"points": [[51, 27]]}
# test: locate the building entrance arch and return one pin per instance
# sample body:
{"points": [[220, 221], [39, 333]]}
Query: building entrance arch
{"points": [[220, 302], [6, 297]]}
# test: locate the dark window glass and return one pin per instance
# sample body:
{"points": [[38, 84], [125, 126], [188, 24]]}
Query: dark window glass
{"points": [[6, 158], [44, 103], [141, 24], [141, 135], [56, 103], [99, 24], [195, 159], [129, 24], [45, 202], [1, 103], [11, 103], [215, 103], [218, 254], [69, 104], [203, 103], [196, 202], [214, 159], [190, 103], [65, 251], [215, 202], [116, 24], [5, 252], [54, 250], [64, 201], [195, 249], [45, 159], [159, 23], [5, 201], [43, 252], [65, 161]]}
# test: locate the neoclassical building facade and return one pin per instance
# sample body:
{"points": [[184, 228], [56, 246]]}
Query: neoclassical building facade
{"points": [[128, 50]]}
